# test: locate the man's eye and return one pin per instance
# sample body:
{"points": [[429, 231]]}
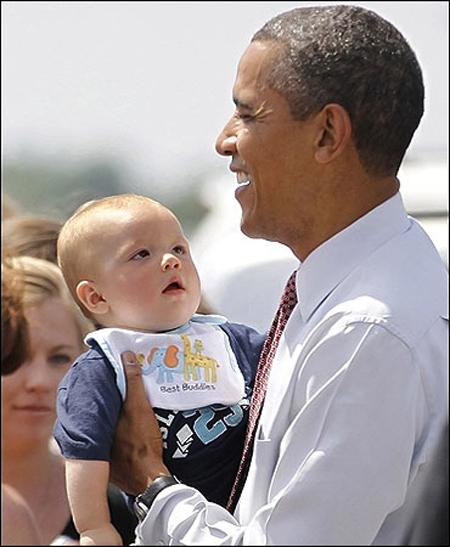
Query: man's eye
{"points": [[179, 250], [244, 117], [143, 253]]}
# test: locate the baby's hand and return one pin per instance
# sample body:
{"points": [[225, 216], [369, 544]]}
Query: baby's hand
{"points": [[106, 535]]}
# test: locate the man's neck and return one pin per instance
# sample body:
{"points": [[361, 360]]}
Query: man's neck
{"points": [[343, 205]]}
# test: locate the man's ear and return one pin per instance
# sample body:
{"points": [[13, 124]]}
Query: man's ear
{"points": [[91, 298], [335, 132]]}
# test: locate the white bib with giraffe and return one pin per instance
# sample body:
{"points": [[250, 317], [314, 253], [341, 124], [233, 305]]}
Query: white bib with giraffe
{"points": [[186, 368]]}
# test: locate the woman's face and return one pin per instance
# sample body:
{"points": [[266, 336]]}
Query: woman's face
{"points": [[28, 394]]}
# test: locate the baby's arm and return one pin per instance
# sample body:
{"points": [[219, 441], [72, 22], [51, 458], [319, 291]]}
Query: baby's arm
{"points": [[87, 483]]}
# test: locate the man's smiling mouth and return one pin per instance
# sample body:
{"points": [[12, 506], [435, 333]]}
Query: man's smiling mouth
{"points": [[243, 179]]}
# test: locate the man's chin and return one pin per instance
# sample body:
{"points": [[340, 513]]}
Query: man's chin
{"points": [[250, 228], [250, 234], [255, 230]]}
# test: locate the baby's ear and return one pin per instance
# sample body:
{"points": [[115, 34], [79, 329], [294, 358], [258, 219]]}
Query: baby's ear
{"points": [[91, 298]]}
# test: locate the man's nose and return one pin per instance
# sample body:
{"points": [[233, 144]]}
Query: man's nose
{"points": [[226, 141], [170, 262]]}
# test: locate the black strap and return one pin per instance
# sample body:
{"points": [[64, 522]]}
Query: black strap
{"points": [[149, 495]]}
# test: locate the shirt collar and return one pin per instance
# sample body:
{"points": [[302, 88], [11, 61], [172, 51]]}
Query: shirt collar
{"points": [[209, 319], [325, 268]]}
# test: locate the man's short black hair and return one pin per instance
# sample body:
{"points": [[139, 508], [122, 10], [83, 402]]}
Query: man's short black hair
{"points": [[353, 57]]}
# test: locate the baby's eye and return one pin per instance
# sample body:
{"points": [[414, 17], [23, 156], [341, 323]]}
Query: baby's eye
{"points": [[179, 250], [143, 253]]}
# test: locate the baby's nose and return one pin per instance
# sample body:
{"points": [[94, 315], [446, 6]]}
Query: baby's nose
{"points": [[170, 262]]}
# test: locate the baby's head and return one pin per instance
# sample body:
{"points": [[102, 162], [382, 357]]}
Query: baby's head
{"points": [[127, 263]]}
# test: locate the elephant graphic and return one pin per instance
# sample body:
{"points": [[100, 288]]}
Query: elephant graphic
{"points": [[165, 360]]}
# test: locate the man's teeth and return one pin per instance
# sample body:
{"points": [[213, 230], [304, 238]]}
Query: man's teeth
{"points": [[242, 178]]}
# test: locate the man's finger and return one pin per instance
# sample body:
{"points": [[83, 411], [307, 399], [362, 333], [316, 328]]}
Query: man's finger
{"points": [[135, 385], [136, 395], [130, 362]]}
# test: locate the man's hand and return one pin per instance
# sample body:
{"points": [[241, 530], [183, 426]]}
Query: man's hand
{"points": [[136, 458]]}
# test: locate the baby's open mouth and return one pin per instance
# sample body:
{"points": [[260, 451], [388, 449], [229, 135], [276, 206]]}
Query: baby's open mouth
{"points": [[174, 286]]}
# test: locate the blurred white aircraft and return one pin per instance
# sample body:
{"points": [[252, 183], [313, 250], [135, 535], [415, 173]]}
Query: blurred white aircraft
{"points": [[243, 278]]}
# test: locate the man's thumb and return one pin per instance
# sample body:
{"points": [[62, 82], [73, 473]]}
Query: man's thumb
{"points": [[130, 364]]}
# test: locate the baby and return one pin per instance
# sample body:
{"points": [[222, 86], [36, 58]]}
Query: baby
{"points": [[128, 265]]}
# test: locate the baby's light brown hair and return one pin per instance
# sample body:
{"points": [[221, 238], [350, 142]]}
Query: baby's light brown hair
{"points": [[79, 235]]}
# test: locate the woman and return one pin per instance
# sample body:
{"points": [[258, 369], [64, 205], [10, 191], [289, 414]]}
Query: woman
{"points": [[32, 464], [55, 329], [18, 523], [31, 460]]}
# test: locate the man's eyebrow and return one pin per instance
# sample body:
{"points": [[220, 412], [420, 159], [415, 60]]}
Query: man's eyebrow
{"points": [[241, 104]]}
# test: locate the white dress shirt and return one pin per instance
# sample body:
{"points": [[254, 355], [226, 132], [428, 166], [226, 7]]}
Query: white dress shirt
{"points": [[357, 398]]}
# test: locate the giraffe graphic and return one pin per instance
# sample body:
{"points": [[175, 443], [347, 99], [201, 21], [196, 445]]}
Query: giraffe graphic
{"points": [[196, 360]]}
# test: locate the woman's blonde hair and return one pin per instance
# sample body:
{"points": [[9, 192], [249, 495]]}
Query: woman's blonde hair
{"points": [[41, 280], [31, 236]]}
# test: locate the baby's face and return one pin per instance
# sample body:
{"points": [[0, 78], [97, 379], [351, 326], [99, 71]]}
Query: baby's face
{"points": [[144, 269]]}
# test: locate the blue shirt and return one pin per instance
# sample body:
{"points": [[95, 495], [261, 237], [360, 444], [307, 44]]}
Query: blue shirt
{"points": [[202, 447]]}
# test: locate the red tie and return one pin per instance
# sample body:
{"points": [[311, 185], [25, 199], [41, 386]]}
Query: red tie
{"points": [[287, 304]]}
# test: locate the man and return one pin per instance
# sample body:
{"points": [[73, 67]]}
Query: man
{"points": [[327, 101]]}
